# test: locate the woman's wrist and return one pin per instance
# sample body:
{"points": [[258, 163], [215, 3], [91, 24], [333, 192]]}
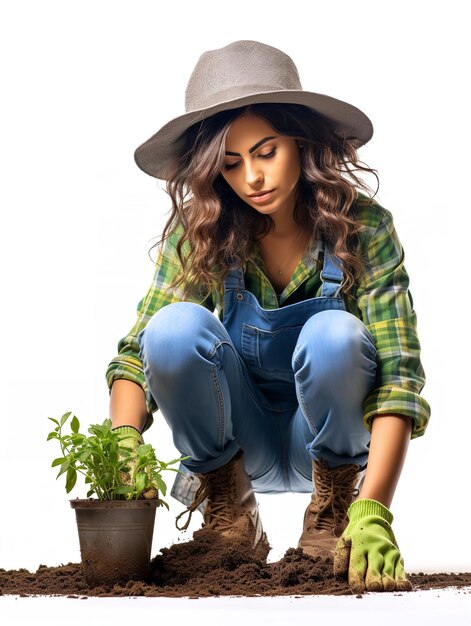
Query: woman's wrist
{"points": [[390, 438], [128, 405]]}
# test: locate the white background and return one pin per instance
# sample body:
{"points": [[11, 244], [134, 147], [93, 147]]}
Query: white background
{"points": [[83, 84]]}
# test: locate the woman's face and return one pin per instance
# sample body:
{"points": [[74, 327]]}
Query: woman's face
{"points": [[259, 159]]}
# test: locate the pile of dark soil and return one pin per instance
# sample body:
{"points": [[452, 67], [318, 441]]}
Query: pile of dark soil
{"points": [[207, 566]]}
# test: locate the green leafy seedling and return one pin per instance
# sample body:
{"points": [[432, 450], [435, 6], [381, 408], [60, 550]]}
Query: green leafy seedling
{"points": [[102, 461]]}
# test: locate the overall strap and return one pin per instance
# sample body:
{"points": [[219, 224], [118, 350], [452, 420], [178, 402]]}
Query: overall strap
{"points": [[235, 279], [331, 274]]}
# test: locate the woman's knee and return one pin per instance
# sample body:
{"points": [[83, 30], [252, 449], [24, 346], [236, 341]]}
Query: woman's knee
{"points": [[175, 334], [333, 337]]}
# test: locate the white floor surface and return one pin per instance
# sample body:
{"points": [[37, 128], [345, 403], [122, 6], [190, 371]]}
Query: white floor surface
{"points": [[432, 607]]}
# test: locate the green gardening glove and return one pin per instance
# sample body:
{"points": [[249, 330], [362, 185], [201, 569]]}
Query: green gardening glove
{"points": [[130, 438], [367, 551]]}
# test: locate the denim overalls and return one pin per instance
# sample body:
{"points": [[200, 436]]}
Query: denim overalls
{"points": [[286, 385], [266, 338]]}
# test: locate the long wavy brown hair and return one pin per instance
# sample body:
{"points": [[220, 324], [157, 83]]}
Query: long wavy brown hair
{"points": [[220, 230]]}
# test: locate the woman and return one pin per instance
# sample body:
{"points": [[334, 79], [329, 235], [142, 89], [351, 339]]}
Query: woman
{"points": [[308, 375]]}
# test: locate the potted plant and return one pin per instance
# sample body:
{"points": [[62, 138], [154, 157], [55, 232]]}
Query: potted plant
{"points": [[116, 527]]}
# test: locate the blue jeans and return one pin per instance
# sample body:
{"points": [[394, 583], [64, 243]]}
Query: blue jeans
{"points": [[215, 405]]}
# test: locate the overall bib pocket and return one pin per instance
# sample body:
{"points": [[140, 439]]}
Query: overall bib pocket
{"points": [[270, 350]]}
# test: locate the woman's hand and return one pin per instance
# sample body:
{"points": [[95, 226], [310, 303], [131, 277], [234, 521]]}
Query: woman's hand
{"points": [[131, 439], [367, 552]]}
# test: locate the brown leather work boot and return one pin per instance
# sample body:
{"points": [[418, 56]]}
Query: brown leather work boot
{"points": [[325, 518], [231, 507]]}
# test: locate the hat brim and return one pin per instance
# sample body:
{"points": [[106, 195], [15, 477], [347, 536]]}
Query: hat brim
{"points": [[155, 154]]}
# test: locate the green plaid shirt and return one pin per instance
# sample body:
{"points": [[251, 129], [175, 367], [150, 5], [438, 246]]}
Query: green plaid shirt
{"points": [[381, 300]]}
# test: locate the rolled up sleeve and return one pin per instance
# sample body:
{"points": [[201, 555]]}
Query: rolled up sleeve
{"points": [[386, 308]]}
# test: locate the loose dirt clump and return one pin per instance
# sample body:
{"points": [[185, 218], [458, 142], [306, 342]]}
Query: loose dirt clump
{"points": [[208, 566]]}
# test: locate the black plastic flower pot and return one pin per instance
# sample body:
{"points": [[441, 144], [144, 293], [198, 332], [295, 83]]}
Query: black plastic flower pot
{"points": [[115, 539]]}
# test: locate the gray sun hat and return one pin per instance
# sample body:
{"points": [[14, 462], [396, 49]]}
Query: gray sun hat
{"points": [[245, 72]]}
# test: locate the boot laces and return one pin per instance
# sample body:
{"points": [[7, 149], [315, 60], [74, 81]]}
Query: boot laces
{"points": [[335, 491], [219, 489]]}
